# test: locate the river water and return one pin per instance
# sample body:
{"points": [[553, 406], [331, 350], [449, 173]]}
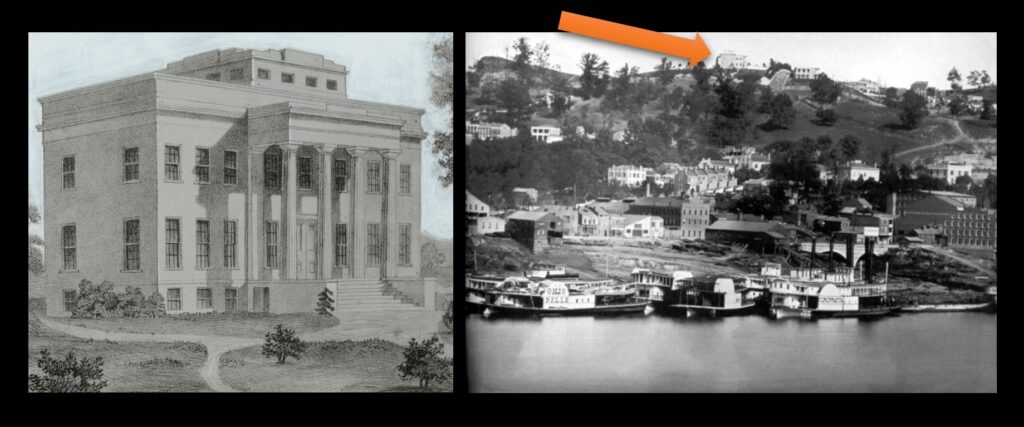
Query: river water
{"points": [[923, 352]]}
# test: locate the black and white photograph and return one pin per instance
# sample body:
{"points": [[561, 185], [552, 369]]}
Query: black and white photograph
{"points": [[779, 213]]}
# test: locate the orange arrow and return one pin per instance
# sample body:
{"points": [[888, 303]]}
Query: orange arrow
{"points": [[695, 50]]}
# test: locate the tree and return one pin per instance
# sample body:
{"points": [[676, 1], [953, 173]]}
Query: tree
{"points": [[282, 343], [474, 74], [850, 147], [594, 78], [664, 71], [954, 79], [442, 96], [891, 97], [35, 243], [430, 257], [522, 60], [424, 362], [448, 320], [985, 79], [957, 105], [963, 183], [514, 96], [733, 119], [95, 300], [825, 117], [781, 113], [560, 104], [987, 112], [913, 108], [974, 78], [325, 304], [824, 90], [69, 375]]}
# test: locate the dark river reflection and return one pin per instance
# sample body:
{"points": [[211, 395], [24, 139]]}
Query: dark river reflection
{"points": [[926, 352]]}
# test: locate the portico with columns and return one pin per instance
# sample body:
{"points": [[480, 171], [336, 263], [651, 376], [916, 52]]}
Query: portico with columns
{"points": [[326, 203]]}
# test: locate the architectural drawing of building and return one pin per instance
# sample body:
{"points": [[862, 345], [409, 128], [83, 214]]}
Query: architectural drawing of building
{"points": [[231, 180]]}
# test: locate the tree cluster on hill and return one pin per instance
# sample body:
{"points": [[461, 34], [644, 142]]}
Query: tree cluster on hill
{"points": [[824, 89], [913, 108]]}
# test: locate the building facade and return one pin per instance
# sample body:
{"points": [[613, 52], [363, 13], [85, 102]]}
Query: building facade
{"points": [[486, 131], [546, 134], [627, 175], [806, 73], [950, 171], [231, 180], [643, 226], [857, 170], [696, 217]]}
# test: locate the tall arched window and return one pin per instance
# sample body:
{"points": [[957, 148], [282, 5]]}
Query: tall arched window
{"points": [[272, 168]]}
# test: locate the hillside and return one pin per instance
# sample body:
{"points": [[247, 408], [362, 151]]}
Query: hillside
{"points": [[494, 64], [876, 126]]}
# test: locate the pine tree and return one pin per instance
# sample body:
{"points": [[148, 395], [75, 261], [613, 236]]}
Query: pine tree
{"points": [[325, 304]]}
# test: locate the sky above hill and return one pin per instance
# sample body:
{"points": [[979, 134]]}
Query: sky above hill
{"points": [[896, 59], [389, 68]]}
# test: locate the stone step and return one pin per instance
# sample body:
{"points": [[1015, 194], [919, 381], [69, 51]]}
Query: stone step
{"points": [[381, 300], [357, 294], [360, 288], [371, 307]]}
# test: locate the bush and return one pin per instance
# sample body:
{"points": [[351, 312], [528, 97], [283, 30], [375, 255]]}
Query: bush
{"points": [[283, 343], [423, 361], [159, 363], [191, 347], [101, 301], [69, 375], [825, 117], [325, 304]]}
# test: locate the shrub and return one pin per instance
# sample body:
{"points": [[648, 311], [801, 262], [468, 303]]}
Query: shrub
{"points": [[69, 375], [191, 347], [448, 319], [423, 361], [283, 343], [325, 304], [101, 301], [159, 363]]}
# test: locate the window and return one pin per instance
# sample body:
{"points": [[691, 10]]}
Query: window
{"points": [[373, 244], [271, 230], [230, 299], [173, 243], [131, 245], [373, 177], [69, 172], [236, 74], [202, 243], [340, 174], [229, 243], [405, 244], [340, 245], [287, 78], [272, 168], [172, 160], [263, 73], [70, 300], [311, 81], [405, 178], [305, 173], [213, 76], [203, 165], [230, 167], [131, 164], [332, 85], [204, 298], [174, 299], [68, 242]]}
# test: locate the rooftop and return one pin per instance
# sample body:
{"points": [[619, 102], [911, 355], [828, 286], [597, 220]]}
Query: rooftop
{"points": [[748, 226], [530, 216]]}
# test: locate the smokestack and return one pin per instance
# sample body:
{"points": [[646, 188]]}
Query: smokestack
{"points": [[849, 250], [814, 253], [831, 245]]}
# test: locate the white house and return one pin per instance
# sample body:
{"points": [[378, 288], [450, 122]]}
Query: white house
{"points": [[857, 170], [628, 175], [546, 134], [950, 171], [643, 226]]}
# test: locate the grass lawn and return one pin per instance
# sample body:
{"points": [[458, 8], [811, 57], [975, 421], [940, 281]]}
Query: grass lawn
{"points": [[978, 128], [239, 324], [127, 367], [326, 366]]}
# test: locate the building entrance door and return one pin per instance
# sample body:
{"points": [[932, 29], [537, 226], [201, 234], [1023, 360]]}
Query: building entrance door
{"points": [[261, 299], [306, 263]]}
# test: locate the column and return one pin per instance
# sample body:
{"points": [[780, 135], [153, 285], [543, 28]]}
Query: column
{"points": [[390, 217], [291, 231], [254, 217], [326, 215], [357, 227]]}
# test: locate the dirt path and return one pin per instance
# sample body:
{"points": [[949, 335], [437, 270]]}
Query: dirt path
{"points": [[960, 137], [217, 346]]}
